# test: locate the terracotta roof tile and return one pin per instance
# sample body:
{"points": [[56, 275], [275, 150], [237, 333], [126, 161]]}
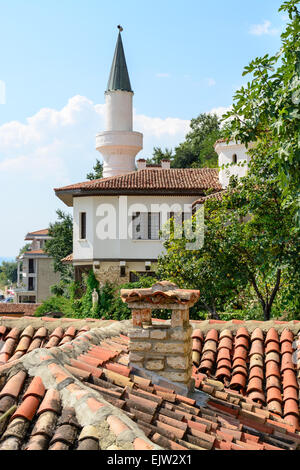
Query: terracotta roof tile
{"points": [[14, 385], [197, 179], [230, 419]]}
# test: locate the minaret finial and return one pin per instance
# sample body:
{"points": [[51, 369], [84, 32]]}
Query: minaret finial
{"points": [[120, 28]]}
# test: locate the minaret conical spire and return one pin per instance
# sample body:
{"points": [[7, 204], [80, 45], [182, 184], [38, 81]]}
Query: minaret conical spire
{"points": [[119, 77], [119, 144]]}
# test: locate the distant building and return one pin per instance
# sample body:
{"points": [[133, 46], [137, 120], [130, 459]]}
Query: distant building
{"points": [[35, 271]]}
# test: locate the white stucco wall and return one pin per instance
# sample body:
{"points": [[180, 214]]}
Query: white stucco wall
{"points": [[226, 152], [118, 113], [120, 246]]}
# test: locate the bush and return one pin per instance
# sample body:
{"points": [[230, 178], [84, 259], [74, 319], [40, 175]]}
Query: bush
{"points": [[55, 304]]}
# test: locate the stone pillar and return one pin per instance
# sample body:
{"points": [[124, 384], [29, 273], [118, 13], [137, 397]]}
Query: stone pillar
{"points": [[163, 348]]}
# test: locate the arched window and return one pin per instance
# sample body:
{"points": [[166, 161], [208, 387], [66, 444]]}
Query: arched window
{"points": [[234, 158]]}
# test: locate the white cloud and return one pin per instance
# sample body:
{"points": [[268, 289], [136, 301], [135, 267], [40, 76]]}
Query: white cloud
{"points": [[58, 146], [162, 128], [220, 110], [264, 28]]}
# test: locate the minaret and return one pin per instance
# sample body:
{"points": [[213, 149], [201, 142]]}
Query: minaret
{"points": [[119, 145]]}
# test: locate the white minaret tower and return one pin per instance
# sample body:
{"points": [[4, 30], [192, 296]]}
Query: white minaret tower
{"points": [[119, 145]]}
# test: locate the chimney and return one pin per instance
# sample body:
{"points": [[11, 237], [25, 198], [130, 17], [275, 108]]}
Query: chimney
{"points": [[164, 349], [165, 164], [141, 164]]}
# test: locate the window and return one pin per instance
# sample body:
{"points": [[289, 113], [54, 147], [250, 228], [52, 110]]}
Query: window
{"points": [[82, 227], [31, 283], [122, 271], [153, 225], [234, 158], [146, 226], [31, 266], [176, 225]]}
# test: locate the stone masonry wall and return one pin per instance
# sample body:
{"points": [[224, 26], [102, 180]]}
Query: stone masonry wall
{"points": [[163, 349]]}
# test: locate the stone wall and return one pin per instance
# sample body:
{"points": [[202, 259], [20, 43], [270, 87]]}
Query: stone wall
{"points": [[109, 271], [46, 277], [163, 349]]}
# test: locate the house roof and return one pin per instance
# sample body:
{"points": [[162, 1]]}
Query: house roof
{"points": [[119, 77], [68, 259], [260, 366], [158, 181], [66, 385], [34, 252], [37, 234], [18, 310], [217, 196]]}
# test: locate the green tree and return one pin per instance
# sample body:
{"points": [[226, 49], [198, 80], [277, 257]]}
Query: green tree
{"points": [[159, 155], [244, 245], [97, 172], [8, 271], [203, 270], [25, 248], [266, 111], [198, 148], [60, 244]]}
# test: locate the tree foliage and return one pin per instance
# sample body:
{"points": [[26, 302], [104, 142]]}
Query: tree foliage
{"points": [[267, 112], [249, 240], [251, 237], [97, 172], [197, 150], [60, 244], [8, 272]]}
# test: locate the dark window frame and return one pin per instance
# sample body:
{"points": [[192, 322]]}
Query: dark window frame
{"points": [[82, 226], [31, 284], [31, 266]]}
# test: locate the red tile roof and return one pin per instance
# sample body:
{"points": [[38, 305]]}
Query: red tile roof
{"points": [[35, 252], [262, 367], [176, 180], [40, 232], [17, 309], [231, 419], [217, 196], [68, 259]]}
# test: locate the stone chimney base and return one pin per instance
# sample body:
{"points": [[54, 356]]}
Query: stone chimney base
{"points": [[163, 349]]}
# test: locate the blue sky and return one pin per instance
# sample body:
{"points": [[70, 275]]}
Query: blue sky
{"points": [[184, 58]]}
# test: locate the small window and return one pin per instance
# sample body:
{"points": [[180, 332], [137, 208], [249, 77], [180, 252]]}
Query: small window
{"points": [[31, 285], [31, 266], [153, 225], [146, 226], [82, 225], [234, 158], [122, 271]]}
